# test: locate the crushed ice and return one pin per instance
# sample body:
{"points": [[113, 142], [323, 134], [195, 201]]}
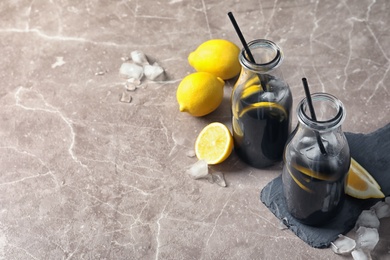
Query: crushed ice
{"points": [[359, 254], [131, 70], [367, 218], [190, 153], [367, 236], [125, 97], [198, 170], [382, 209], [134, 68], [139, 57], [153, 72], [132, 84], [343, 245], [139, 66], [218, 178]]}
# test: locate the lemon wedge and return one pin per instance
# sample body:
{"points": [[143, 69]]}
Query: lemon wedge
{"points": [[360, 184], [214, 143]]}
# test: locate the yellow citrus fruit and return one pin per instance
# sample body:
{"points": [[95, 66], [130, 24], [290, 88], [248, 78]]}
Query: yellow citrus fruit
{"points": [[360, 184], [218, 57], [251, 90], [214, 143], [273, 108], [200, 93]]}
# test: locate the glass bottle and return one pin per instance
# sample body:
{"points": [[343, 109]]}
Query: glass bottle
{"points": [[261, 103], [314, 177]]}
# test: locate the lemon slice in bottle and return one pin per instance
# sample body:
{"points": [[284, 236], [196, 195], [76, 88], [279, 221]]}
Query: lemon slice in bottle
{"points": [[274, 108], [251, 90]]}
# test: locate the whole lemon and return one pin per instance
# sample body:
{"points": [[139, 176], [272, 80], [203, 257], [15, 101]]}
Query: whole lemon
{"points": [[200, 93], [218, 57]]}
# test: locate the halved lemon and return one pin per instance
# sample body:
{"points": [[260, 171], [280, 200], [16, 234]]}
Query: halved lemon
{"points": [[360, 184], [214, 143]]}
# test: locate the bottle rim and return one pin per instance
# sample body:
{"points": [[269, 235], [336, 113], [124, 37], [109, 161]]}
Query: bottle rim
{"points": [[326, 125], [259, 67]]}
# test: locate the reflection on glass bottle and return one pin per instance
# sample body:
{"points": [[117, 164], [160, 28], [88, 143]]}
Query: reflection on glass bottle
{"points": [[261, 105], [314, 180]]}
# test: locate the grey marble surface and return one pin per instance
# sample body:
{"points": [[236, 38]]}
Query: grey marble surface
{"points": [[85, 176]]}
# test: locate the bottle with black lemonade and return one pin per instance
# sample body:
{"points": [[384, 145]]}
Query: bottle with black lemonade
{"points": [[317, 161], [261, 105]]}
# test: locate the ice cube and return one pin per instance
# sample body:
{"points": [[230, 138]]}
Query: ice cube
{"points": [[343, 245], [190, 153], [132, 84], [330, 139], [139, 57], [387, 200], [198, 170], [131, 70], [130, 87], [367, 218], [367, 238], [306, 140], [209, 178], [277, 84], [282, 225], [219, 178], [269, 96], [311, 152], [153, 72], [382, 209], [126, 97], [359, 254]]}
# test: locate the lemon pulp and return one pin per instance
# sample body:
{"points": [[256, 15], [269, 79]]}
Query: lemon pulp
{"points": [[214, 143]]}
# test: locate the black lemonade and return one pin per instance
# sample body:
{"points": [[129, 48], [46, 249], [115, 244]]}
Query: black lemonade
{"points": [[314, 181], [261, 129], [261, 106], [315, 186]]}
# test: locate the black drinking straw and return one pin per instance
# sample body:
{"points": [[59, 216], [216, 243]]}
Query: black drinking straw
{"points": [[242, 39], [313, 114], [243, 42]]}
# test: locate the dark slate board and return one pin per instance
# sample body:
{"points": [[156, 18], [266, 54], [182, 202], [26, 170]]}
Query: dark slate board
{"points": [[372, 151]]}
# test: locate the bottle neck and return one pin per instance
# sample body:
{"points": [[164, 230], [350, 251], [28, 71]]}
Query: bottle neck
{"points": [[267, 56], [329, 111]]}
